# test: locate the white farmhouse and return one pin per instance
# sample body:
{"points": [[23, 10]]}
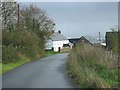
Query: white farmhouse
{"points": [[57, 42]]}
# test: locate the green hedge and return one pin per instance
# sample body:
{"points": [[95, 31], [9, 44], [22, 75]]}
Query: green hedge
{"points": [[9, 54], [17, 43]]}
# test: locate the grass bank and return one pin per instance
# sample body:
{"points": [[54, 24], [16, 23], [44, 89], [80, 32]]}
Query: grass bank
{"points": [[12, 65], [92, 67]]}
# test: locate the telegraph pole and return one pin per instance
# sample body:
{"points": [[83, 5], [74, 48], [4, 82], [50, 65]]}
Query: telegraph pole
{"points": [[18, 15], [99, 38]]}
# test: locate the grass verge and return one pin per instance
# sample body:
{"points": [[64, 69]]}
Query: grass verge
{"points": [[49, 53], [7, 67], [92, 67], [10, 66]]}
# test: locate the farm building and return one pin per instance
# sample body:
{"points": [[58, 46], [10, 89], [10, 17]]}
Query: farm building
{"points": [[57, 42], [84, 40], [80, 40], [73, 41]]}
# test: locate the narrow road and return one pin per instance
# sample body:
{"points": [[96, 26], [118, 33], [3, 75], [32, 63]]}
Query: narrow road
{"points": [[48, 72]]}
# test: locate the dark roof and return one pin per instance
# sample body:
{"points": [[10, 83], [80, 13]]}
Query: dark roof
{"points": [[74, 40], [84, 40], [58, 37]]}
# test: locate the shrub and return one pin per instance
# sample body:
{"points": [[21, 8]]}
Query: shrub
{"points": [[21, 42], [9, 54], [27, 44]]}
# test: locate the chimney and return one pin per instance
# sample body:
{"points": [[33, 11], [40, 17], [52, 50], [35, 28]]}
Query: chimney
{"points": [[59, 31]]}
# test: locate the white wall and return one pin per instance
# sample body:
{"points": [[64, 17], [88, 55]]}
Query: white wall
{"points": [[57, 44], [65, 41]]}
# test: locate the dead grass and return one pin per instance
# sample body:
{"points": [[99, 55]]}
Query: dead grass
{"points": [[92, 67]]}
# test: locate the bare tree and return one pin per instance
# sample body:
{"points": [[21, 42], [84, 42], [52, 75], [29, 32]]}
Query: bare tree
{"points": [[35, 19], [9, 17]]}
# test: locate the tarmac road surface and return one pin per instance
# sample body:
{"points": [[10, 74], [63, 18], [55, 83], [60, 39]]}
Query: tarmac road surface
{"points": [[48, 72]]}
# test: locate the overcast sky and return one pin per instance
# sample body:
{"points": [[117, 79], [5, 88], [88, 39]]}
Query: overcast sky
{"points": [[82, 18]]}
